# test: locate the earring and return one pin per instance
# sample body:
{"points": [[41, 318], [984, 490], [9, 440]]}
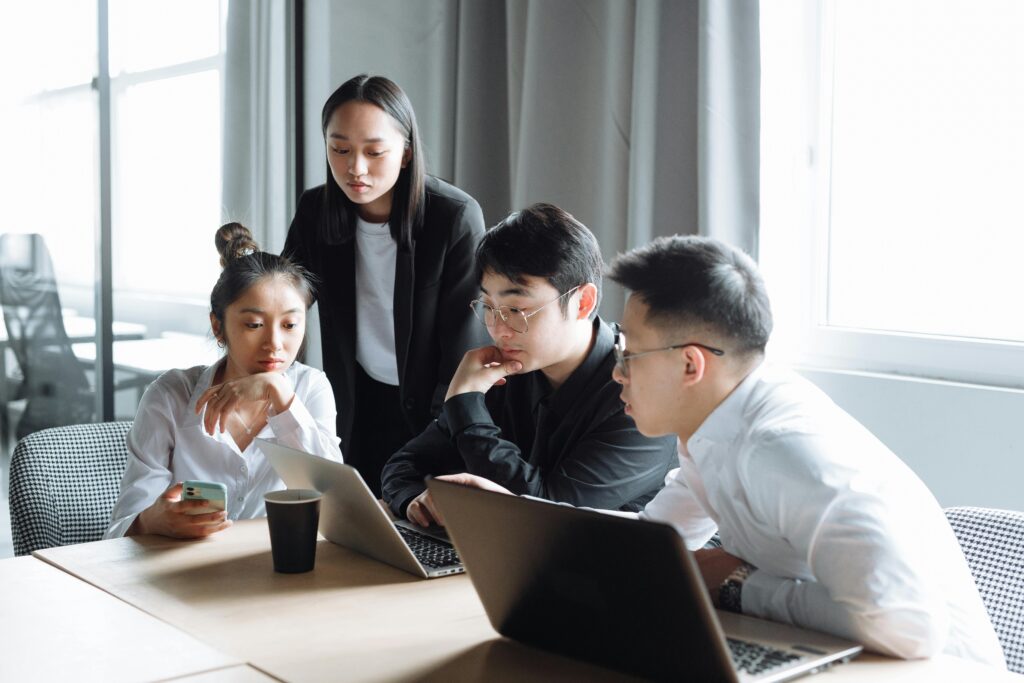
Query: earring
{"points": [[221, 344]]}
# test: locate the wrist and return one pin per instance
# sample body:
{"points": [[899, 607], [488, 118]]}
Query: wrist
{"points": [[281, 394], [730, 591]]}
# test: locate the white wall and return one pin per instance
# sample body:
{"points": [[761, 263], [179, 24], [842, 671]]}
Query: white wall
{"points": [[964, 441]]}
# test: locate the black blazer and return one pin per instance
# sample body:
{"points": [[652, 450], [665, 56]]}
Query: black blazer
{"points": [[434, 283]]}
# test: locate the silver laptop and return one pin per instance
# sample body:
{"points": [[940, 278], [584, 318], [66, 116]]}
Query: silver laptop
{"points": [[351, 517], [615, 591]]}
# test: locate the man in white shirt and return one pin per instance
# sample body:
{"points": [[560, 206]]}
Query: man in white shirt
{"points": [[821, 525]]}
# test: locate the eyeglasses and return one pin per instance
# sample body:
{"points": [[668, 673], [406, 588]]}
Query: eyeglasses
{"points": [[513, 317], [621, 359]]}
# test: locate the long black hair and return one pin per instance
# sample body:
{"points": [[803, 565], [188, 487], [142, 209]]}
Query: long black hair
{"points": [[408, 198]]}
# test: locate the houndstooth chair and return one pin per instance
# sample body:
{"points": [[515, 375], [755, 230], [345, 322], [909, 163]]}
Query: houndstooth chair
{"points": [[64, 483], [993, 543]]}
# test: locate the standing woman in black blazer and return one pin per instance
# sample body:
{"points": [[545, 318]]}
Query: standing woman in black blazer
{"points": [[393, 250]]}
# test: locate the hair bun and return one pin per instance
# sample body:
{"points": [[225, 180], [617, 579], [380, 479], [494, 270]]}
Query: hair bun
{"points": [[234, 241]]}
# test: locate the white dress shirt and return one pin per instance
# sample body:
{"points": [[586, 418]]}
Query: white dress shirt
{"points": [[845, 537], [167, 443], [376, 253]]}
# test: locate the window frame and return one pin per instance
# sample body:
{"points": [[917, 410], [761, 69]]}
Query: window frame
{"points": [[806, 337]]}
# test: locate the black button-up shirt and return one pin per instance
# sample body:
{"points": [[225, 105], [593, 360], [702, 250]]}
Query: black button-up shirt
{"points": [[574, 445]]}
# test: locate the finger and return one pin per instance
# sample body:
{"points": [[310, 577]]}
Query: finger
{"points": [[496, 371], [512, 367], [462, 478], [417, 515], [210, 419], [428, 503], [490, 354], [204, 398], [174, 491], [208, 518], [202, 531], [208, 396]]}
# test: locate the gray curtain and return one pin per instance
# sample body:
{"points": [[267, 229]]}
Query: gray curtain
{"points": [[640, 118], [730, 121], [258, 127]]}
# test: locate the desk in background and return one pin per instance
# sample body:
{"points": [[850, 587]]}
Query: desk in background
{"points": [[355, 619], [151, 357]]}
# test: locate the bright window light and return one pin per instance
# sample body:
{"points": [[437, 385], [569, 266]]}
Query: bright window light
{"points": [[925, 233]]}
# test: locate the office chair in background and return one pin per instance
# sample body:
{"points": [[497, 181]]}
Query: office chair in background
{"points": [[54, 384]]}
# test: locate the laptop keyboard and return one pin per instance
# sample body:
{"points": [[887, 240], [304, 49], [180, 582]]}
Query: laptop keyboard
{"points": [[754, 658], [429, 551]]}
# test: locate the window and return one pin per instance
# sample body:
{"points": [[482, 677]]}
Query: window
{"points": [[892, 160], [166, 65]]}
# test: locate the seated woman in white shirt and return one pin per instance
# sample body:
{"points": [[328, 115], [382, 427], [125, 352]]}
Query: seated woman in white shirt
{"points": [[201, 423]]}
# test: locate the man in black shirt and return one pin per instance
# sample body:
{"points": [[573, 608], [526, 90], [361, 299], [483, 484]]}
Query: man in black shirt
{"points": [[537, 412]]}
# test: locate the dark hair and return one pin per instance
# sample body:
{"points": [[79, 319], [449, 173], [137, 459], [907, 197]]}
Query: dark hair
{"points": [[408, 199], [691, 280], [244, 265], [543, 241]]}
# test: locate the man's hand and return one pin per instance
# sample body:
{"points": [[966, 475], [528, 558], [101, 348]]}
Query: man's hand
{"points": [[715, 566], [480, 370], [168, 517], [422, 510]]}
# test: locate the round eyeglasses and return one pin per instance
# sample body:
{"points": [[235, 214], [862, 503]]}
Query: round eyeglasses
{"points": [[515, 318], [622, 360]]}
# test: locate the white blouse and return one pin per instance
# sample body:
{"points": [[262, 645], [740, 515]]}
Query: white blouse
{"points": [[167, 443]]}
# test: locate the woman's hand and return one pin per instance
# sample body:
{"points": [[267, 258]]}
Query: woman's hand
{"points": [[221, 400], [168, 516]]}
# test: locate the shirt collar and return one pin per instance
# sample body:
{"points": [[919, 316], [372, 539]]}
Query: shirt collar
{"points": [[726, 420], [580, 380]]}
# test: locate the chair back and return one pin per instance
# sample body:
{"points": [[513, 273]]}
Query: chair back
{"points": [[64, 483], [54, 383], [993, 543]]}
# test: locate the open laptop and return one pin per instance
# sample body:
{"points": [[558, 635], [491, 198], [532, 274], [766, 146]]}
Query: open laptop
{"points": [[615, 591], [351, 516]]}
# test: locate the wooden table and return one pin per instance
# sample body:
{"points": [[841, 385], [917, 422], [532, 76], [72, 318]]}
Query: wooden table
{"points": [[54, 627], [355, 619]]}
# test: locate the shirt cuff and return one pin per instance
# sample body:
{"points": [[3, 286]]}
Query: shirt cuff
{"points": [[465, 410], [295, 420], [759, 590], [120, 527]]}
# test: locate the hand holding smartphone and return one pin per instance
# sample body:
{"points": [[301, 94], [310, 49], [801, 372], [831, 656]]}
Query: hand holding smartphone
{"points": [[213, 493]]}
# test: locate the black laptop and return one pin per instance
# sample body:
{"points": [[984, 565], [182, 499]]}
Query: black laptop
{"points": [[614, 591]]}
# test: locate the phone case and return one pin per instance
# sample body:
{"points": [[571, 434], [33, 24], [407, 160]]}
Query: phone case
{"points": [[214, 493]]}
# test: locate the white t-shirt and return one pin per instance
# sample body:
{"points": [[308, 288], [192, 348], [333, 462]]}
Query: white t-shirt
{"points": [[376, 251], [167, 443], [845, 537]]}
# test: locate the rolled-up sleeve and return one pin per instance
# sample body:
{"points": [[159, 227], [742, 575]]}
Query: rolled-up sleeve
{"points": [[150, 442], [871, 580], [309, 424], [677, 505]]}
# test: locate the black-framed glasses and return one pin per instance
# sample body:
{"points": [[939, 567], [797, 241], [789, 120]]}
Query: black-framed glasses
{"points": [[516, 318], [622, 360]]}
